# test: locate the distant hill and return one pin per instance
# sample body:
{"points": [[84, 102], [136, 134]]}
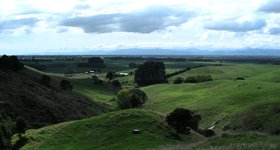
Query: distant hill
{"points": [[173, 52], [23, 95]]}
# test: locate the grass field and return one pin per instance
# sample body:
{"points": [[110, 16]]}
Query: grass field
{"points": [[228, 102], [236, 106], [108, 132]]}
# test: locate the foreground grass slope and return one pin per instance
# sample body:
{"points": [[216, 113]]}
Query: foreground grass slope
{"points": [[108, 131], [251, 105], [232, 141]]}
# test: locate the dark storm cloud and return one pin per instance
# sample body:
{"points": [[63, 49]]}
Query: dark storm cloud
{"points": [[272, 6], [150, 20], [17, 23], [235, 26]]}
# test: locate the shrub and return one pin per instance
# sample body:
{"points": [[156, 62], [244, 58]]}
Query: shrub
{"points": [[10, 63], [123, 101], [208, 132], [239, 78], [45, 80], [176, 73], [178, 80], [198, 79], [182, 120], [132, 98], [66, 85]]}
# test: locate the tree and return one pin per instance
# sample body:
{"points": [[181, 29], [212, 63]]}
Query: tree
{"points": [[182, 120], [110, 76], [96, 62], [178, 80], [122, 101], [198, 79], [132, 98], [45, 80], [66, 85], [20, 125], [10, 63], [150, 73]]}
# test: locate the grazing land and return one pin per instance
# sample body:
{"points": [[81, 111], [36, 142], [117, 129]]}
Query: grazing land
{"points": [[240, 103]]}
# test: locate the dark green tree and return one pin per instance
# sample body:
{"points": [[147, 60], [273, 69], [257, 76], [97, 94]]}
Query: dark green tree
{"points": [[150, 73], [10, 63], [96, 62], [178, 80], [182, 120], [132, 98]]}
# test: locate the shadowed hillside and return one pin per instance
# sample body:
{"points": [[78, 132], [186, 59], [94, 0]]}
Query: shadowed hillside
{"points": [[23, 94]]}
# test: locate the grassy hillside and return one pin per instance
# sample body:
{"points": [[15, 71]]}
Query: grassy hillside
{"points": [[22, 94], [231, 71], [230, 141], [109, 131], [252, 104]]}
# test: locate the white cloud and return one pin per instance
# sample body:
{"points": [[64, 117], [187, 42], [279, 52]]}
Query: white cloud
{"points": [[44, 25]]}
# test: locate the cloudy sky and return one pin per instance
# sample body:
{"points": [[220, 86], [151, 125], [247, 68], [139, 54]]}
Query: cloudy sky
{"points": [[29, 26]]}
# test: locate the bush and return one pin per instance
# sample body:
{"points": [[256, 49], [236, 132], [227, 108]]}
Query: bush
{"points": [[239, 78], [116, 83], [198, 79], [182, 120], [132, 98], [66, 85], [176, 73], [45, 80], [208, 133], [10, 63], [178, 80]]}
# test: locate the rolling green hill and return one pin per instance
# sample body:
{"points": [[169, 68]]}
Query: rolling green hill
{"points": [[230, 105], [110, 131], [251, 105]]}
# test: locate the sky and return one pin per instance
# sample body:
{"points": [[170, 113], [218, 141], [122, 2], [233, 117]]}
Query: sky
{"points": [[43, 26]]}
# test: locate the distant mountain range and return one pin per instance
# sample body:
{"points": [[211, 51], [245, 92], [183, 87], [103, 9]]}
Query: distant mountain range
{"points": [[173, 52]]}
